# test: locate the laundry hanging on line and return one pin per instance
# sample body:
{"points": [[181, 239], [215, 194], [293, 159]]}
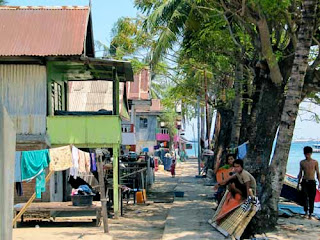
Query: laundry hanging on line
{"points": [[74, 170], [242, 150], [82, 162], [33, 165], [61, 158], [87, 161], [17, 170], [93, 162]]}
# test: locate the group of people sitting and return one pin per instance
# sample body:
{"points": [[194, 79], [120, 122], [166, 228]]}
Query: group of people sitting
{"points": [[233, 176]]}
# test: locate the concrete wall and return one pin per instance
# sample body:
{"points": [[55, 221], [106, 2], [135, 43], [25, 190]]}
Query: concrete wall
{"points": [[7, 162], [145, 144], [149, 133], [56, 187], [146, 137]]}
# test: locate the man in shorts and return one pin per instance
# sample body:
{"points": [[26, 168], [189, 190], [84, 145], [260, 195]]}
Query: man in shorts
{"points": [[308, 168]]}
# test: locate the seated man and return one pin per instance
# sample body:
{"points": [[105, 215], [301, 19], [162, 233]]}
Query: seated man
{"points": [[222, 174], [242, 181]]}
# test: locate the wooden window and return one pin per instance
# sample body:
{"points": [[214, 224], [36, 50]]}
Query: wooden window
{"points": [[143, 122]]}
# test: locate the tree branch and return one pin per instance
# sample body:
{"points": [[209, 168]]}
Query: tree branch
{"points": [[267, 51], [232, 35]]}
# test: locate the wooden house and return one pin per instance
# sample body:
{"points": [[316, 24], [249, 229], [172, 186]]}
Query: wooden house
{"points": [[145, 113], [43, 52]]}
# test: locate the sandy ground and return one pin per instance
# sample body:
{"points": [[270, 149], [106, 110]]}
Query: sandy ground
{"points": [[296, 228], [145, 221], [182, 219]]}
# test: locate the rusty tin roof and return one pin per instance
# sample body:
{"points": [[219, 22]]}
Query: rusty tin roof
{"points": [[139, 89], [43, 31]]}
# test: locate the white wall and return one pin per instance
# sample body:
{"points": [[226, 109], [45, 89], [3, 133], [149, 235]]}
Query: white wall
{"points": [[7, 163]]}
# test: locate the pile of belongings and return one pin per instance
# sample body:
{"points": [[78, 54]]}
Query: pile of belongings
{"points": [[82, 190], [234, 214]]}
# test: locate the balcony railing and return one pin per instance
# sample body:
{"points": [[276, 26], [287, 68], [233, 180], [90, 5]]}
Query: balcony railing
{"points": [[85, 131], [162, 130], [162, 134], [127, 128]]}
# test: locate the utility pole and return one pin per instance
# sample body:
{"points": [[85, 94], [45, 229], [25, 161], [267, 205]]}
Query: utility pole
{"points": [[199, 147]]}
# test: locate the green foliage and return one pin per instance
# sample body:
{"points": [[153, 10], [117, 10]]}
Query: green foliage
{"points": [[185, 40], [128, 39], [272, 7]]}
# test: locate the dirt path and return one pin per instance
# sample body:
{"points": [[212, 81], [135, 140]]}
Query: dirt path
{"points": [[163, 218]]}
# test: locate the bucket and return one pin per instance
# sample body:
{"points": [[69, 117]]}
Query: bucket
{"points": [[82, 200], [139, 196]]}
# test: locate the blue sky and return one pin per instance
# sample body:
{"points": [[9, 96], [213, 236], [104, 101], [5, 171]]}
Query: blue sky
{"points": [[104, 12]]}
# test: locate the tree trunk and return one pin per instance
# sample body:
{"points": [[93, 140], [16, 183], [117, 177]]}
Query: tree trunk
{"points": [[202, 122], [261, 130], [290, 109], [222, 134], [208, 126], [265, 118], [237, 106]]}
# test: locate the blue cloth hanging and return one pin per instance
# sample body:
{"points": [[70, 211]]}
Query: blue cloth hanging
{"points": [[17, 170], [242, 151], [33, 165]]}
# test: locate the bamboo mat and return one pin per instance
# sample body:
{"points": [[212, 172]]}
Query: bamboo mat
{"points": [[234, 223]]}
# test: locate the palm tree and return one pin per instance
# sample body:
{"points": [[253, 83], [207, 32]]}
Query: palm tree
{"points": [[292, 101]]}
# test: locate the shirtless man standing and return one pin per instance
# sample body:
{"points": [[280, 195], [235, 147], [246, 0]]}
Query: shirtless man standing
{"points": [[308, 168]]}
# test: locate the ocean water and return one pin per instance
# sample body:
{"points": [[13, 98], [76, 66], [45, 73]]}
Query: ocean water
{"points": [[194, 151], [295, 155]]}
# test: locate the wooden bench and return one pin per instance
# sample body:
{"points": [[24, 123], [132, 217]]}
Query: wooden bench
{"points": [[59, 207]]}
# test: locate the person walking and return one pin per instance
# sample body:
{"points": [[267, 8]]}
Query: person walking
{"points": [[173, 168], [308, 168]]}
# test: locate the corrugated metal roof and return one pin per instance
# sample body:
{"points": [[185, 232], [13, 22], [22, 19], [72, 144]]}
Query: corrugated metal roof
{"points": [[43, 31], [155, 107], [23, 90], [93, 96], [139, 89]]}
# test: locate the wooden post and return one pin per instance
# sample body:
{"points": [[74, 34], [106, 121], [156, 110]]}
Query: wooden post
{"points": [[49, 89], [115, 181], [23, 210], [116, 93], [148, 177], [103, 198], [198, 123]]}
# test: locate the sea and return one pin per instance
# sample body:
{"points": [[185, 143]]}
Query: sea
{"points": [[295, 155]]}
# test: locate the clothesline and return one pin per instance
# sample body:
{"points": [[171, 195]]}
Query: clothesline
{"points": [[32, 164], [247, 142]]}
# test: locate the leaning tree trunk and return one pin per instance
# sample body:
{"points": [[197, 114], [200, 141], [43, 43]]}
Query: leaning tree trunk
{"points": [[202, 130], [259, 126], [237, 106], [208, 126], [265, 119], [278, 165], [261, 131], [222, 133]]}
